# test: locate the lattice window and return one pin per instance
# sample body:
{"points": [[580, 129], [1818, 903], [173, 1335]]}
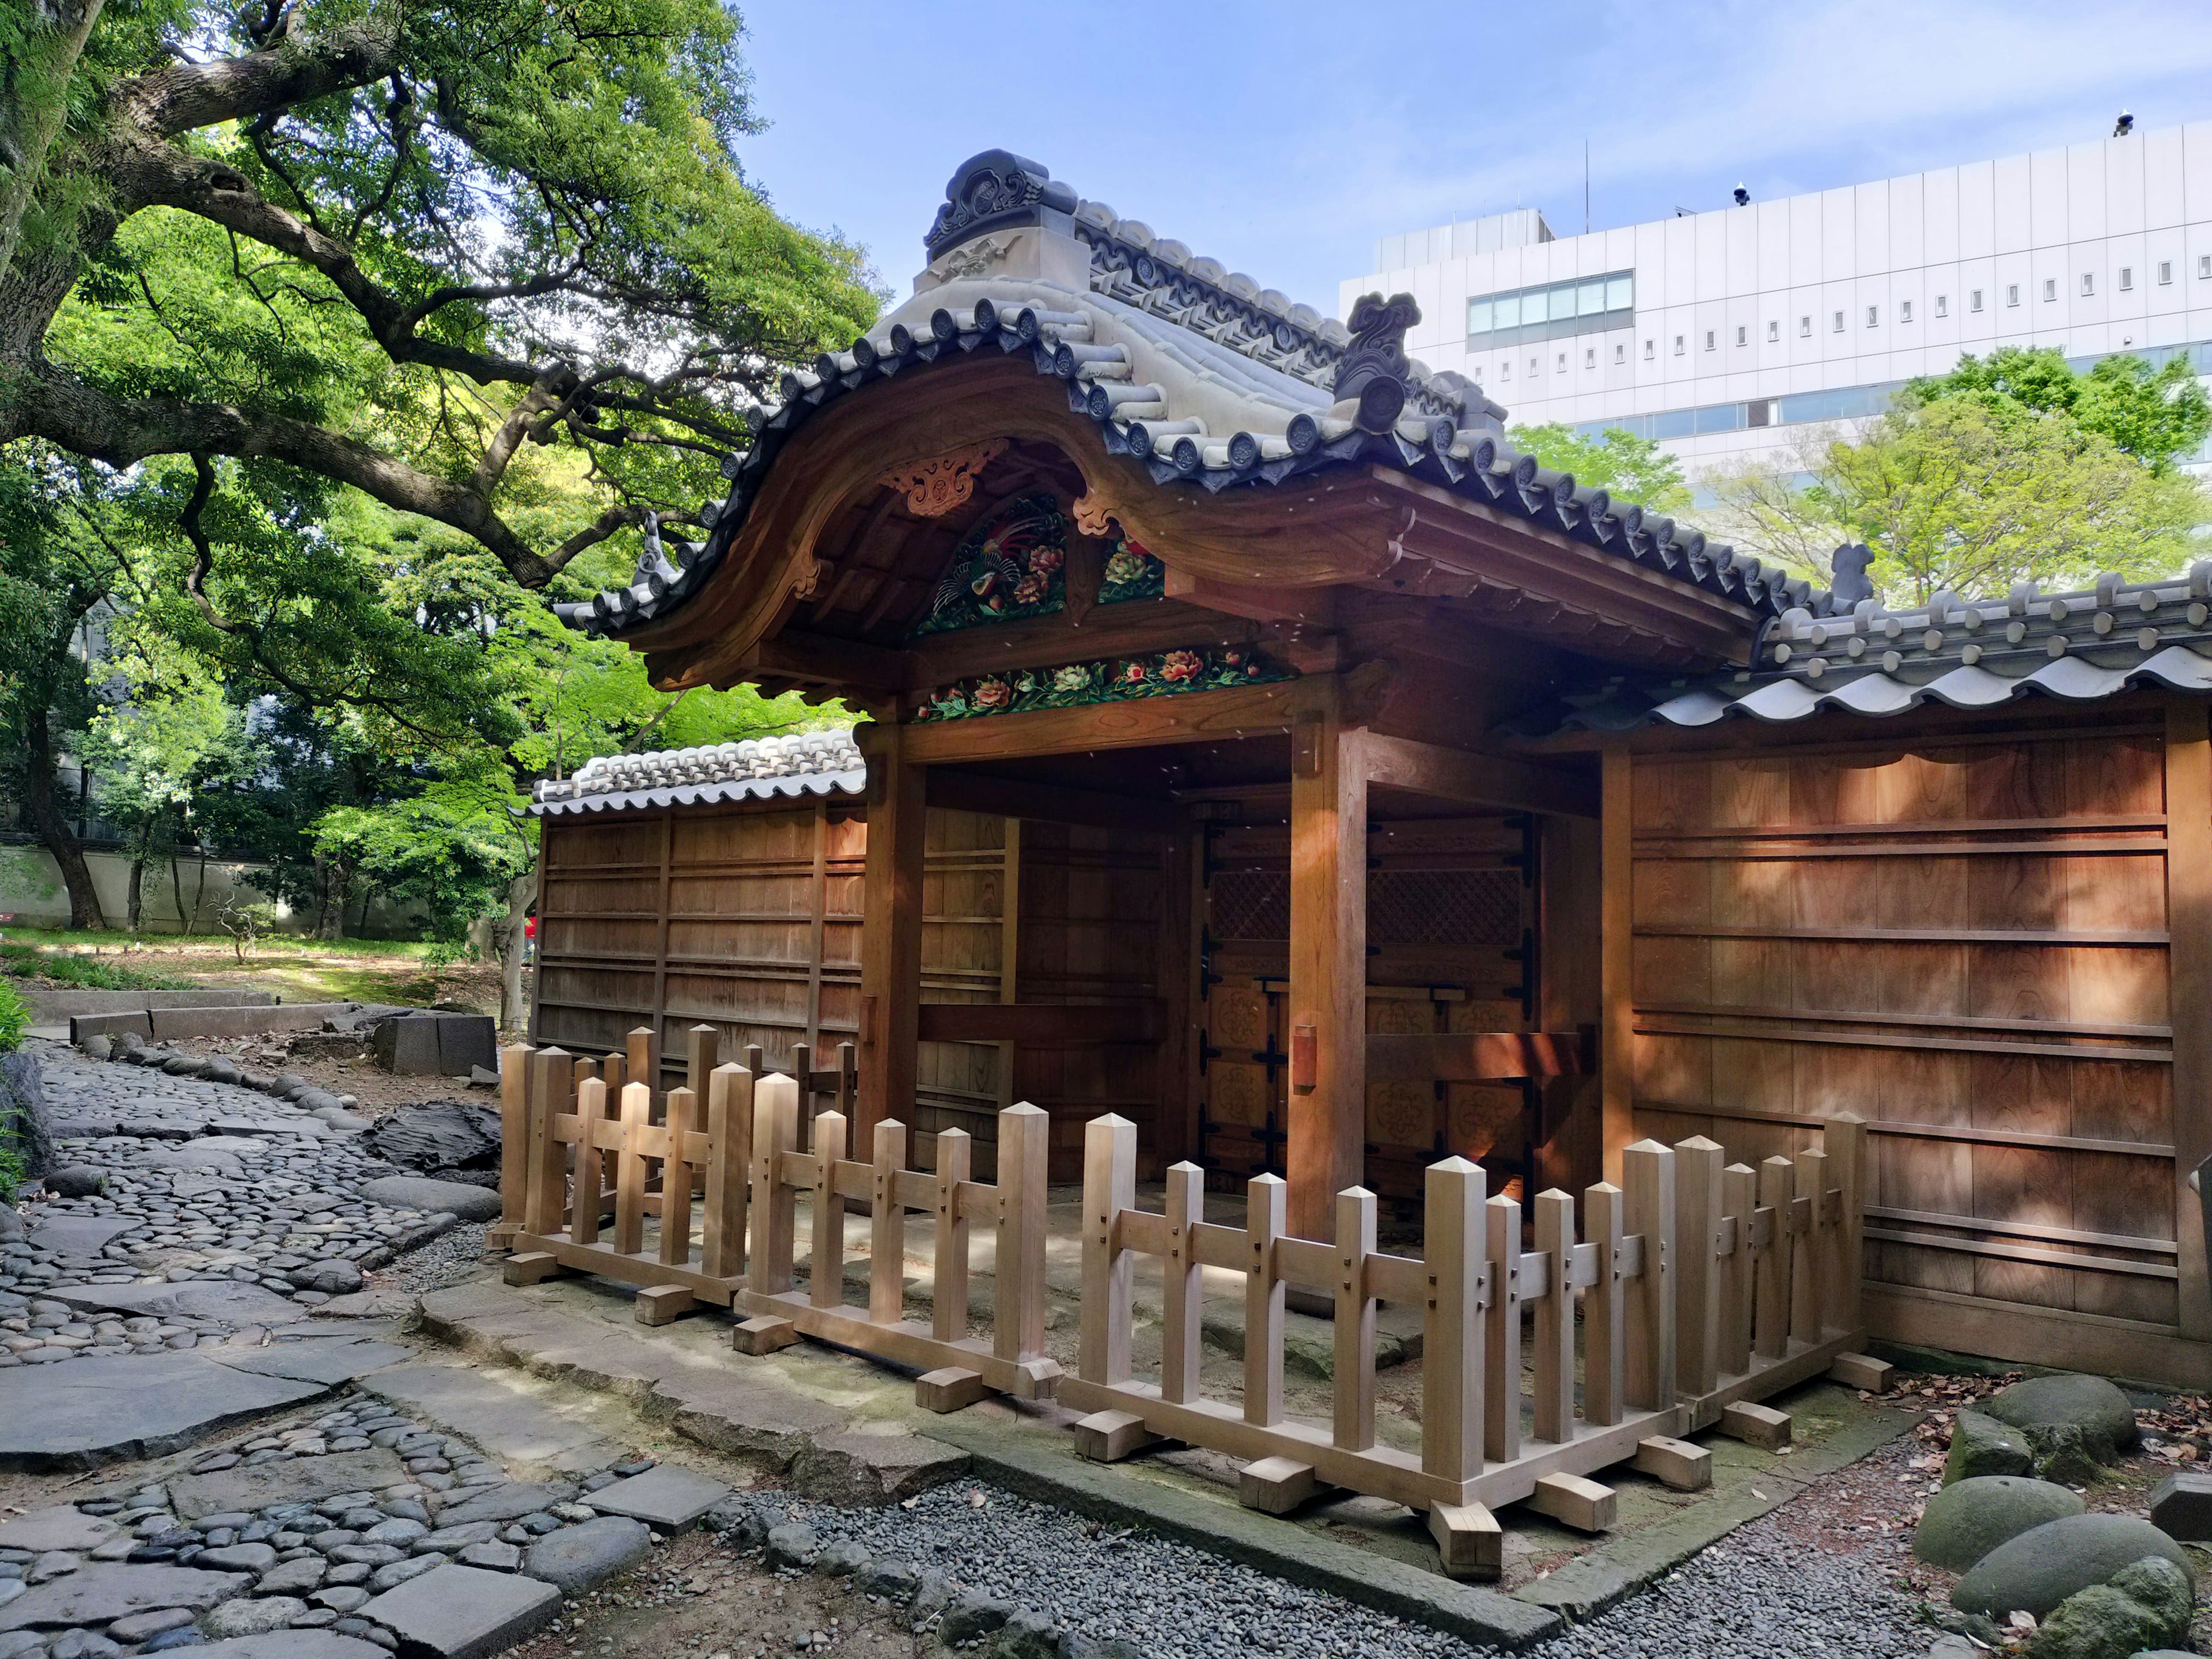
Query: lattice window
{"points": [[1252, 904], [1444, 907]]}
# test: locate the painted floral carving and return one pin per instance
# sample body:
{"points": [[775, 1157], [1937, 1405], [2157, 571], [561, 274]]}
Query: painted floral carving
{"points": [[1008, 566], [1132, 572], [1163, 673]]}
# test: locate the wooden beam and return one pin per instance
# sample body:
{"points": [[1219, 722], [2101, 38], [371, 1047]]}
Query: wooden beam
{"points": [[1314, 606], [1041, 1025], [1478, 1056], [1326, 1013], [1456, 774], [1017, 797], [891, 927], [1141, 722], [828, 660], [1047, 642], [1616, 957], [2189, 925]]}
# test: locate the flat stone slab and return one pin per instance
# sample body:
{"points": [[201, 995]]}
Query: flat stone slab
{"points": [[463, 1612], [518, 1420], [291, 1645], [101, 1592], [250, 1487], [92, 1411], [80, 1235], [508, 1502], [669, 1497], [329, 1363], [225, 1299], [64, 1527], [577, 1558], [423, 1193]]}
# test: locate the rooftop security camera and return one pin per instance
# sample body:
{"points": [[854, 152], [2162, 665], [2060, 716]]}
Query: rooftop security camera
{"points": [[2126, 126], [1742, 196]]}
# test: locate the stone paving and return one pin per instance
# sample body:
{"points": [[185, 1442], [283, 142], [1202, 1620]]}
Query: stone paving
{"points": [[201, 1213]]}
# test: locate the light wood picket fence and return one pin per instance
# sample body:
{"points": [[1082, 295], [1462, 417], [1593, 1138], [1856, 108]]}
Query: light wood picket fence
{"points": [[581, 1139], [1702, 1287]]}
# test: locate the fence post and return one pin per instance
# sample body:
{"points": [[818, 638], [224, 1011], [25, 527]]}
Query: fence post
{"points": [[849, 1077], [948, 1294], [1179, 1336], [704, 1044], [1555, 1318], [1740, 1198], [802, 1068], [1772, 1337], [1807, 1300], [514, 1136], [1501, 1382], [825, 1268], [644, 1057], [676, 1182], [550, 1073], [729, 1136], [1696, 1290], [1603, 1307], [584, 1207], [887, 1227], [776, 1132], [1355, 1320], [1265, 1205], [1017, 1315], [1453, 1249], [629, 1170], [614, 1071], [1648, 1176], [1846, 1140]]}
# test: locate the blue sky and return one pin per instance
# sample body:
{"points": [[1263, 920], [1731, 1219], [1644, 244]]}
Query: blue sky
{"points": [[1283, 139]]}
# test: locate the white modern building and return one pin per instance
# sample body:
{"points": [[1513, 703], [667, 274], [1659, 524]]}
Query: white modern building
{"points": [[1718, 333]]}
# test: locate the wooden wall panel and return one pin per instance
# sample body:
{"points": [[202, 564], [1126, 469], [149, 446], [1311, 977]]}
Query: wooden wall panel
{"points": [[1963, 940]]}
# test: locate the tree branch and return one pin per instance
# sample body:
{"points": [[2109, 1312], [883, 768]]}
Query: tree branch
{"points": [[183, 97]]}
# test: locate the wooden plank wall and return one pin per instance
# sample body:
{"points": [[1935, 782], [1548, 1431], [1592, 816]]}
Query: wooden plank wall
{"points": [[1965, 942]]}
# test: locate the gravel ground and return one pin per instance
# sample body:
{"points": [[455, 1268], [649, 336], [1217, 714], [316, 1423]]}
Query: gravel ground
{"points": [[1788, 1585]]}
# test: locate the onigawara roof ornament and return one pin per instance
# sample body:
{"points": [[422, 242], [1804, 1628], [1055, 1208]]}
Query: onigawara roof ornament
{"points": [[998, 190], [1372, 376]]}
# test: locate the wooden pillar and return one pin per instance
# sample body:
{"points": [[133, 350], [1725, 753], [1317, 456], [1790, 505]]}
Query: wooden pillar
{"points": [[890, 928], [1183, 854], [1616, 959], [1568, 933], [1328, 1008], [2189, 979]]}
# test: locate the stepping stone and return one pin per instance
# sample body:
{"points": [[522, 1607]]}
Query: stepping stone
{"points": [[2043, 1566], [421, 1193], [329, 1363], [64, 1527], [1969, 1518], [253, 1617], [508, 1502], [226, 1300], [101, 1592], [668, 1497], [80, 1235], [577, 1558], [518, 1419], [255, 1487], [464, 1613], [91, 1412]]}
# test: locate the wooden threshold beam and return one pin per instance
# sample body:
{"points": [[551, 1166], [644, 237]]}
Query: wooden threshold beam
{"points": [[1456, 774], [1478, 1056], [1240, 711], [1042, 1025]]}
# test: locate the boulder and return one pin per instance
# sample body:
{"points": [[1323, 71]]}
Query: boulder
{"points": [[792, 1545], [77, 1180], [1981, 1445], [577, 1558], [469, 1202], [1969, 1518], [2107, 1420], [2043, 1566], [972, 1616], [440, 1138], [2064, 1452], [336, 1277], [255, 1617], [2147, 1604], [23, 1116]]}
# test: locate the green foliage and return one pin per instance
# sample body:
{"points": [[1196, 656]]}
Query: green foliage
{"points": [[85, 972], [14, 1017], [1628, 467], [2157, 417]]}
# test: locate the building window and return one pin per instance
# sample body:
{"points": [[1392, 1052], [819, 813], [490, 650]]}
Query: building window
{"points": [[1621, 351], [2166, 271], [1904, 312], [2203, 266], [1774, 328], [1563, 362], [1942, 305], [1709, 339], [1974, 299], [1805, 328], [1505, 371], [2050, 289], [1743, 335], [1650, 350], [1535, 366], [2127, 279], [2012, 293], [1677, 345], [2088, 286], [1838, 326], [1874, 316], [1587, 305], [1590, 356]]}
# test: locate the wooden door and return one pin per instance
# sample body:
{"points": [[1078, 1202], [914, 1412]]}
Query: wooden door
{"points": [[1242, 1080]]}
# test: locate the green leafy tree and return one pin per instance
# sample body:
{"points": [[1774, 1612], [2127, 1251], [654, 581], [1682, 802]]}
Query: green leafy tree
{"points": [[1629, 468], [149, 753], [2157, 415]]}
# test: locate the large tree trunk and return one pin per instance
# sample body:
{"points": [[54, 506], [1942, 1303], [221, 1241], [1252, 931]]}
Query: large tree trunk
{"points": [[136, 920], [334, 901], [53, 829], [521, 894], [37, 87]]}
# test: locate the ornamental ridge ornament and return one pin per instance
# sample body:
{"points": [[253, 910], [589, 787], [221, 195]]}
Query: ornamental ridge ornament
{"points": [[998, 190], [934, 487], [1374, 369]]}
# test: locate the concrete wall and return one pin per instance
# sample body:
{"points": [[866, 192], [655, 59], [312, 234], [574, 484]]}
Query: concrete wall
{"points": [[32, 894]]}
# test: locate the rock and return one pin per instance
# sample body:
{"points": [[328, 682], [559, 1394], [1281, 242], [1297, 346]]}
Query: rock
{"points": [[493, 1554], [252, 1617], [77, 1180], [2107, 1420], [2180, 1507], [2041, 1567], [894, 1581], [669, 1497], [463, 1612], [144, 1627], [332, 1278], [239, 1558], [64, 1526], [2064, 1452], [509, 1502], [972, 1616], [393, 1574], [1969, 1518], [933, 1592], [438, 1138], [2144, 1605], [843, 1558], [91, 1412], [421, 1193], [291, 1577], [340, 1598], [866, 1467], [577, 1558], [256, 1486], [82, 1645], [1980, 1444], [792, 1545], [23, 1115], [1029, 1634], [287, 1644]]}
